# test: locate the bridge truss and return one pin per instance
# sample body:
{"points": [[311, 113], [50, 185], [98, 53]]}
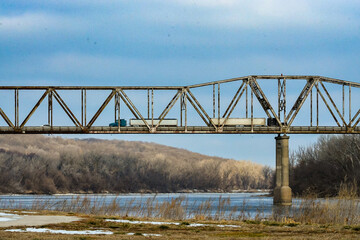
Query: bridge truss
{"points": [[280, 114]]}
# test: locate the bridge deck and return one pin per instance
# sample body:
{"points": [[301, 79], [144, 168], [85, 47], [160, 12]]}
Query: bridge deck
{"points": [[180, 130]]}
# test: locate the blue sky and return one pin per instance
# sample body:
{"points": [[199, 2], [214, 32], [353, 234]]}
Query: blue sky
{"points": [[179, 42]]}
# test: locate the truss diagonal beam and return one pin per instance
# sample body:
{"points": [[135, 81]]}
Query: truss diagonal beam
{"points": [[129, 106], [233, 100], [300, 101], [106, 102], [234, 105], [66, 109], [7, 120], [133, 107], [197, 110], [34, 108], [354, 118], [168, 108], [264, 102], [333, 103], [201, 108], [327, 105]]}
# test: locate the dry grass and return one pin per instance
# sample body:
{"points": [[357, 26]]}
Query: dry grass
{"points": [[344, 210]]}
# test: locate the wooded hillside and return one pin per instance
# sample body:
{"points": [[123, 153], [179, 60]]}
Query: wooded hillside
{"points": [[39, 164], [324, 167]]}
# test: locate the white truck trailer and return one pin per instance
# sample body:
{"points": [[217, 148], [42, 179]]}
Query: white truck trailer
{"points": [[240, 121], [165, 122]]}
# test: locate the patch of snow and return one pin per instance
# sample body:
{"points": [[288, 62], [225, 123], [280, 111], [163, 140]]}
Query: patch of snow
{"points": [[146, 234], [170, 223], [25, 212], [5, 217], [233, 226], [2, 219], [142, 222], [6, 214], [46, 230]]}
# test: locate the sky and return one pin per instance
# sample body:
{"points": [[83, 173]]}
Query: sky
{"points": [[179, 42]]}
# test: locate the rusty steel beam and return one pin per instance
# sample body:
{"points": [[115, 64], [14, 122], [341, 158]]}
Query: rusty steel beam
{"points": [[182, 130], [7, 120], [233, 105], [105, 103], [134, 108], [34, 108], [333, 103], [264, 102], [201, 108], [300, 101], [327, 105], [66, 108], [168, 108]]}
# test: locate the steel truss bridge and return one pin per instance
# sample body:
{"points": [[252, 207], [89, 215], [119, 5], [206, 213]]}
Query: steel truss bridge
{"points": [[280, 115]]}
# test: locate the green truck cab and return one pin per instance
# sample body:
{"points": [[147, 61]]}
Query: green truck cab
{"points": [[116, 123]]}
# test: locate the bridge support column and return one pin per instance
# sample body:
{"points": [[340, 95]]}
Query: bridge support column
{"points": [[282, 191]]}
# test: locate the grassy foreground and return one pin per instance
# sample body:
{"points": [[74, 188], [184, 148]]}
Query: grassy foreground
{"points": [[248, 229]]}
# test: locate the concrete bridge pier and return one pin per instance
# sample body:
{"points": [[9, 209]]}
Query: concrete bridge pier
{"points": [[282, 191]]}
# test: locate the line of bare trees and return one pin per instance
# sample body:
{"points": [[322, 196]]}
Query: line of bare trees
{"points": [[324, 167], [39, 164]]}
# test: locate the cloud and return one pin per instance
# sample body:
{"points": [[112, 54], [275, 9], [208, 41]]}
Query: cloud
{"points": [[254, 14], [31, 23]]}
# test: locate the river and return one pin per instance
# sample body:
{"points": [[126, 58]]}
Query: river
{"points": [[149, 205]]}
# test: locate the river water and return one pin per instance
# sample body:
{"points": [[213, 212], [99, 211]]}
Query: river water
{"points": [[191, 204]]}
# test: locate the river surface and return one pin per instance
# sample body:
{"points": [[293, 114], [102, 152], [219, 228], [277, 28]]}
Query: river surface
{"points": [[191, 204]]}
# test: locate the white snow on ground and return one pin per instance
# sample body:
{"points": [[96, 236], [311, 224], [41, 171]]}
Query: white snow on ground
{"points": [[146, 234], [5, 217], [168, 223], [46, 230], [26, 212]]}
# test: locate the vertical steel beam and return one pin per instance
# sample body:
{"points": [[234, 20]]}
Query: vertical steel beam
{"points": [[343, 100], [50, 108], [82, 107], [152, 108], [85, 108], [148, 103], [181, 108], [279, 86], [219, 104], [317, 106], [252, 110], [213, 100], [350, 105], [17, 107], [246, 102], [185, 99], [311, 108]]}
